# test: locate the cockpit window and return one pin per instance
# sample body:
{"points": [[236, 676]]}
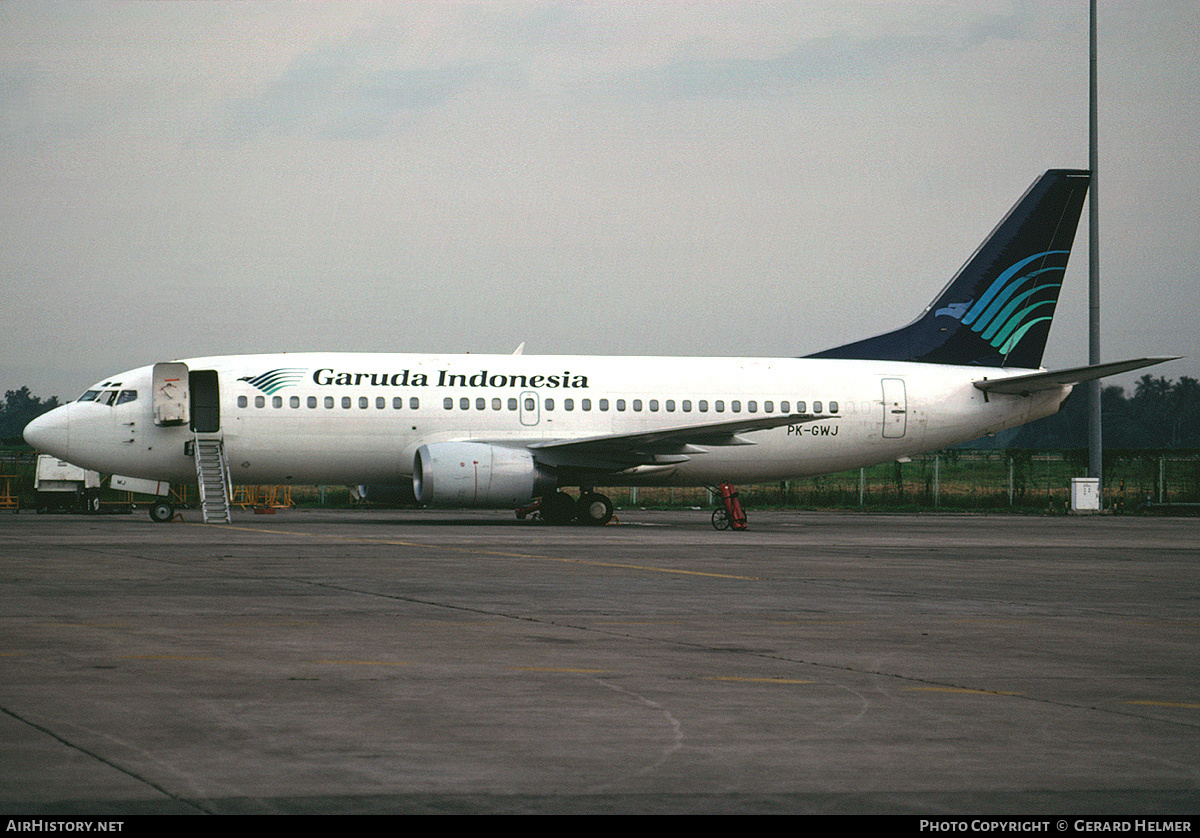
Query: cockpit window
{"points": [[126, 396], [107, 397], [89, 396]]}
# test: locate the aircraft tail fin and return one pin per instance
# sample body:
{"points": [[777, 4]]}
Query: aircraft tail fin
{"points": [[997, 309]]}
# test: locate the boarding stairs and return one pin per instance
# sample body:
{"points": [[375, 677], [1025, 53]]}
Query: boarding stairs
{"points": [[212, 474]]}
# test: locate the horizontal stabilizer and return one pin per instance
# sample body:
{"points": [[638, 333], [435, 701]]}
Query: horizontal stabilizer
{"points": [[1035, 382]]}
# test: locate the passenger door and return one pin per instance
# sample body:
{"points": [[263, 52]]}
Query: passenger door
{"points": [[895, 408], [169, 397], [206, 401]]}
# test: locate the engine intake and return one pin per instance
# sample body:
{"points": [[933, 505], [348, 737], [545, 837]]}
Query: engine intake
{"points": [[474, 474]]}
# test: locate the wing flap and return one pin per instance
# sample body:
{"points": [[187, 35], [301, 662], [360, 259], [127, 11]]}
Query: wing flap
{"points": [[615, 452]]}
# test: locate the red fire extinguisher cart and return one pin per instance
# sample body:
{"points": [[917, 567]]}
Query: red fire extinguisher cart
{"points": [[729, 514]]}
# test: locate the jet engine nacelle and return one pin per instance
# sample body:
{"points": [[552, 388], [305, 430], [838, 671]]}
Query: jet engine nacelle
{"points": [[466, 474]]}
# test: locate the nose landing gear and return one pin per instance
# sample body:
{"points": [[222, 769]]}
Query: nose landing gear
{"points": [[161, 512]]}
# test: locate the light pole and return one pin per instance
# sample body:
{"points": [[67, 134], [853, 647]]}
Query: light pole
{"points": [[1095, 436]]}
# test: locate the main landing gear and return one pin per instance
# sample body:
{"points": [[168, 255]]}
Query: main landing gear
{"points": [[592, 508]]}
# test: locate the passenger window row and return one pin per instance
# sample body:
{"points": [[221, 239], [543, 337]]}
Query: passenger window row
{"points": [[511, 403], [639, 405], [330, 402]]}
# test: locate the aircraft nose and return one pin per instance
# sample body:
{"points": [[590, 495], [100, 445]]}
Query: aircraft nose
{"points": [[50, 433]]}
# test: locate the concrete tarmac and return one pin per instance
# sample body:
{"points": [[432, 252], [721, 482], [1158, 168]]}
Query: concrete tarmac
{"points": [[465, 662]]}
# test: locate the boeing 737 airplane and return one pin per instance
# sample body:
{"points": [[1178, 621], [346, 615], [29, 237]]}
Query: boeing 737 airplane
{"points": [[504, 431]]}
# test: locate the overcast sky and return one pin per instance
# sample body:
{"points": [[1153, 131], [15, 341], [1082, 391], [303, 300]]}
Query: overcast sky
{"points": [[757, 178]]}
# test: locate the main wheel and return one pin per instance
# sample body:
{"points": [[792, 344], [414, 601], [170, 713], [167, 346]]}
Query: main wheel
{"points": [[595, 509], [558, 508], [720, 519], [161, 512]]}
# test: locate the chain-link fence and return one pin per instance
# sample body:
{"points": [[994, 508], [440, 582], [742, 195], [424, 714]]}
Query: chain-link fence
{"points": [[951, 479], [963, 479]]}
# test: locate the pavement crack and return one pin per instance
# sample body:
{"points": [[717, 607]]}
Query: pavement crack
{"points": [[75, 746]]}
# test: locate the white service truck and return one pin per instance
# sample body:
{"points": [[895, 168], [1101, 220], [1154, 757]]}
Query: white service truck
{"points": [[64, 487]]}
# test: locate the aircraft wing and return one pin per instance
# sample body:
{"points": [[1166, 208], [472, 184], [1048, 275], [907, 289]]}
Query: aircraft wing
{"points": [[658, 447], [1035, 382]]}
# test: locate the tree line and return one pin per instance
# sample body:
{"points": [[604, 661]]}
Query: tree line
{"points": [[19, 409], [1160, 415]]}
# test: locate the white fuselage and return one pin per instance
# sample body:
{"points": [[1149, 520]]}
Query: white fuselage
{"points": [[349, 418]]}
